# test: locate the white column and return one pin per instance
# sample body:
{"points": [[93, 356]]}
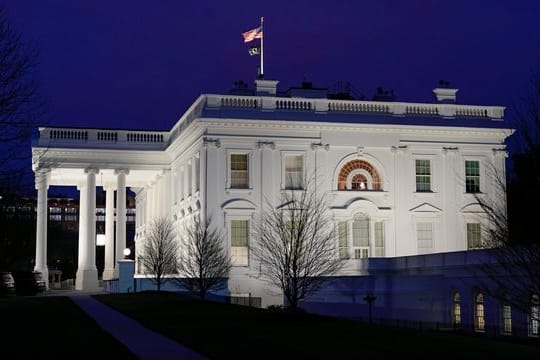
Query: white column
{"points": [[42, 185], [87, 272], [108, 272], [120, 213]]}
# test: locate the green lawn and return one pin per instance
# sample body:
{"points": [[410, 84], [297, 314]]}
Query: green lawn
{"points": [[52, 327], [229, 331]]}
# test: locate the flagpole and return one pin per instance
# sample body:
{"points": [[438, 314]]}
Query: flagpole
{"points": [[262, 49]]}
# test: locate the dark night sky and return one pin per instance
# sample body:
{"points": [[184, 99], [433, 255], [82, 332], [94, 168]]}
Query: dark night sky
{"points": [[140, 64]]}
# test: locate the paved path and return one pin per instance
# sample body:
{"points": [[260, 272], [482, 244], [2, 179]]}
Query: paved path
{"points": [[143, 342]]}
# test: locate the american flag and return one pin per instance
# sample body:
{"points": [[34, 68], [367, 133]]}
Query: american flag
{"points": [[253, 34]]}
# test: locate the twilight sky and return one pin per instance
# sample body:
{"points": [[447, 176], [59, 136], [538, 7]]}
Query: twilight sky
{"points": [[140, 63]]}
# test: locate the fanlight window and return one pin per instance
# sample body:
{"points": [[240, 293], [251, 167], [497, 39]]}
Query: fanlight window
{"points": [[359, 175]]}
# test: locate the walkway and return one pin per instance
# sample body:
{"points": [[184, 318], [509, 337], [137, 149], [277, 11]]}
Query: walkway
{"points": [[143, 342]]}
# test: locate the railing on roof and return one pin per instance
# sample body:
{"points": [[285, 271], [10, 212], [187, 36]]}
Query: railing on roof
{"points": [[352, 106], [99, 138]]}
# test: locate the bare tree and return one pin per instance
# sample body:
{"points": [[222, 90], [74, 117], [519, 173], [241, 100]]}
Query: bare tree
{"points": [[20, 104], [512, 265], [296, 244], [203, 263], [160, 251]]}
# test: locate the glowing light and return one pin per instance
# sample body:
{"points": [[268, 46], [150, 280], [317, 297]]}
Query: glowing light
{"points": [[127, 252], [100, 239]]}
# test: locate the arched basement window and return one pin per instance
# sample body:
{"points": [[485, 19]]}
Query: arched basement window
{"points": [[457, 309], [359, 175], [479, 316]]}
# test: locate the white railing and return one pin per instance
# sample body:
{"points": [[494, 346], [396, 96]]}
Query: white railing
{"points": [[99, 138], [353, 106]]}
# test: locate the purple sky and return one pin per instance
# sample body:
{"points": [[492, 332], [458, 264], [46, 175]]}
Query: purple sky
{"points": [[140, 64]]}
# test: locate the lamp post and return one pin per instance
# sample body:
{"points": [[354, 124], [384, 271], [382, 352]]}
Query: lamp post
{"points": [[127, 252], [370, 299]]}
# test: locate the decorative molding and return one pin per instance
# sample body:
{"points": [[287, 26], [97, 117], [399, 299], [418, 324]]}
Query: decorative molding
{"points": [[320, 146], [121, 171], [450, 149], [208, 142], [360, 151], [266, 144], [401, 149], [500, 152]]}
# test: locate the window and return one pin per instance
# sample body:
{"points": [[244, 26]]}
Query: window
{"points": [[181, 183], [197, 170], [479, 319], [379, 238], [361, 238], [294, 172], [423, 175], [189, 170], [359, 182], [472, 176], [534, 316], [506, 328], [359, 175], [474, 236], [424, 235], [457, 310], [342, 240], [239, 171], [239, 242]]}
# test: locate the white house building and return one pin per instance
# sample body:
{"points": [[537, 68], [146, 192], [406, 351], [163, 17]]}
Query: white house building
{"points": [[401, 177]]}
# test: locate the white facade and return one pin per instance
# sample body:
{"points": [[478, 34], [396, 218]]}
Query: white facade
{"points": [[401, 177]]}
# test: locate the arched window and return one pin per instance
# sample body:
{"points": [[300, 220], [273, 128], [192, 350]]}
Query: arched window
{"points": [[479, 317], [534, 316], [457, 309], [359, 175]]}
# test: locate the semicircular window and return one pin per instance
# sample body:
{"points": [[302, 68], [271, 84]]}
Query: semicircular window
{"points": [[359, 175]]}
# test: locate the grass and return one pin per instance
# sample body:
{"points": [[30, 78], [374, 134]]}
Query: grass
{"points": [[52, 327], [231, 331]]}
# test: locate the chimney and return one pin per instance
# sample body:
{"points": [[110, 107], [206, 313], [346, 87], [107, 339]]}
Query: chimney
{"points": [[444, 93], [266, 87]]}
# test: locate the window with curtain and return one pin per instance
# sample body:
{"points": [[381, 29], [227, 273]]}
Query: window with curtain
{"points": [[361, 238], [239, 171], [424, 235], [479, 317], [506, 328], [294, 172], [474, 236], [239, 242], [457, 310]]}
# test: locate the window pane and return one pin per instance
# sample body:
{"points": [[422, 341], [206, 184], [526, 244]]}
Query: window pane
{"points": [[379, 238], [472, 176], [294, 172], [474, 236], [424, 234], [239, 233], [361, 232], [239, 171], [342, 240], [423, 175]]}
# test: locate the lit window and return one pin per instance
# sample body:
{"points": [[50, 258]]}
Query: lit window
{"points": [[534, 316], [239, 171], [55, 217], [359, 182], [506, 327], [424, 235], [361, 238], [379, 239], [457, 310], [474, 236], [294, 172], [342, 239], [479, 319], [239, 242], [423, 175], [472, 176]]}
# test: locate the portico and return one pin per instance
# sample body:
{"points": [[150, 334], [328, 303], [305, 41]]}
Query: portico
{"points": [[100, 164]]}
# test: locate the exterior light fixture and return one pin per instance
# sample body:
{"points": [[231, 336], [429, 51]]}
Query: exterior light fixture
{"points": [[127, 252]]}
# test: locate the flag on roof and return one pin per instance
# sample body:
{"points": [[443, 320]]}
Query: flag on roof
{"points": [[253, 34]]}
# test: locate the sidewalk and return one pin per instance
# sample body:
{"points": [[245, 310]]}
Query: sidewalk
{"points": [[143, 342]]}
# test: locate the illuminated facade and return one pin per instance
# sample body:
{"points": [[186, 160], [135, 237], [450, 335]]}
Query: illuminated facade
{"points": [[402, 177]]}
